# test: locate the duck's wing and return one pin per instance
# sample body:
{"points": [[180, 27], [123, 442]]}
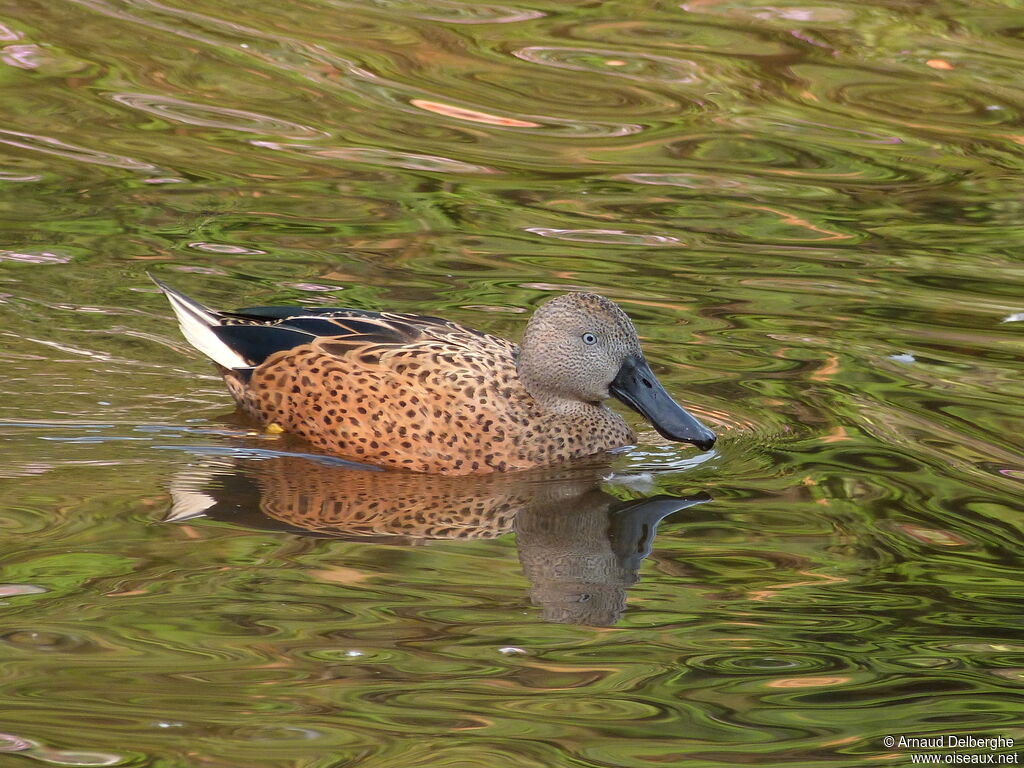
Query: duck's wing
{"points": [[337, 332], [245, 338]]}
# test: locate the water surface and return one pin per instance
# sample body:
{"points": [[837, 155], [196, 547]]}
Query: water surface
{"points": [[813, 213]]}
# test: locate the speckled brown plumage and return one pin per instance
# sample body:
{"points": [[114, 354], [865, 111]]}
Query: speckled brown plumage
{"points": [[424, 394], [449, 402]]}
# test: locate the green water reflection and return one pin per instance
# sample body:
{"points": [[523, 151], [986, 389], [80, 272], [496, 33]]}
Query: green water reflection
{"points": [[813, 213]]}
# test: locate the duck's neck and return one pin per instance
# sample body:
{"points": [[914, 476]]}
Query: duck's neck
{"points": [[559, 406], [588, 427], [535, 374], [585, 418], [573, 413]]}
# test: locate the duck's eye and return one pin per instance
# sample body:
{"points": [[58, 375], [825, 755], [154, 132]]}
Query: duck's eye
{"points": [[589, 338]]}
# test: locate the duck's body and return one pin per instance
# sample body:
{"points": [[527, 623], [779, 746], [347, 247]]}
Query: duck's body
{"points": [[421, 393], [413, 392]]}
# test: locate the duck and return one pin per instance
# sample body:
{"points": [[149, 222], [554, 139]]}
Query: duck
{"points": [[424, 394]]}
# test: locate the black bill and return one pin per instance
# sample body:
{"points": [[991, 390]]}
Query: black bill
{"points": [[637, 387]]}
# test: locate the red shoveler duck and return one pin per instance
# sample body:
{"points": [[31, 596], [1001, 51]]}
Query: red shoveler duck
{"points": [[425, 394]]}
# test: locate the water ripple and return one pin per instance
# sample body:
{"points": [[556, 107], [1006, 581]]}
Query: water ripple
{"points": [[51, 146], [472, 114], [191, 113], [636, 66], [44, 257], [51, 756], [612, 236], [446, 11], [675, 34], [383, 157]]}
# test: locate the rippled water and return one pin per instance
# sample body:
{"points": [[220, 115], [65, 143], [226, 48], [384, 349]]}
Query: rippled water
{"points": [[812, 211]]}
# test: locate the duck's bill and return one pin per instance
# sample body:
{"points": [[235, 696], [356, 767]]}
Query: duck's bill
{"points": [[637, 386]]}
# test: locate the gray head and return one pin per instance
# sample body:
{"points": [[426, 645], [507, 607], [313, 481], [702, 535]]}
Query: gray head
{"points": [[583, 348]]}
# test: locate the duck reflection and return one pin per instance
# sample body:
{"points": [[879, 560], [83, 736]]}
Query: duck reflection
{"points": [[580, 547]]}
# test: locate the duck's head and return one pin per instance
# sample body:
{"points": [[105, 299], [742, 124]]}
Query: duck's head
{"points": [[582, 347]]}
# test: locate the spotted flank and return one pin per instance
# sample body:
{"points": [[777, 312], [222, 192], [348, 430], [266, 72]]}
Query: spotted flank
{"points": [[425, 394]]}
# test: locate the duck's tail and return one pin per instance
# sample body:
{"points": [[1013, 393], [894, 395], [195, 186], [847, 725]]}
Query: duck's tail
{"points": [[197, 323]]}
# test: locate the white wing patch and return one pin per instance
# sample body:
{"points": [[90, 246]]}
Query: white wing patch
{"points": [[196, 322]]}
